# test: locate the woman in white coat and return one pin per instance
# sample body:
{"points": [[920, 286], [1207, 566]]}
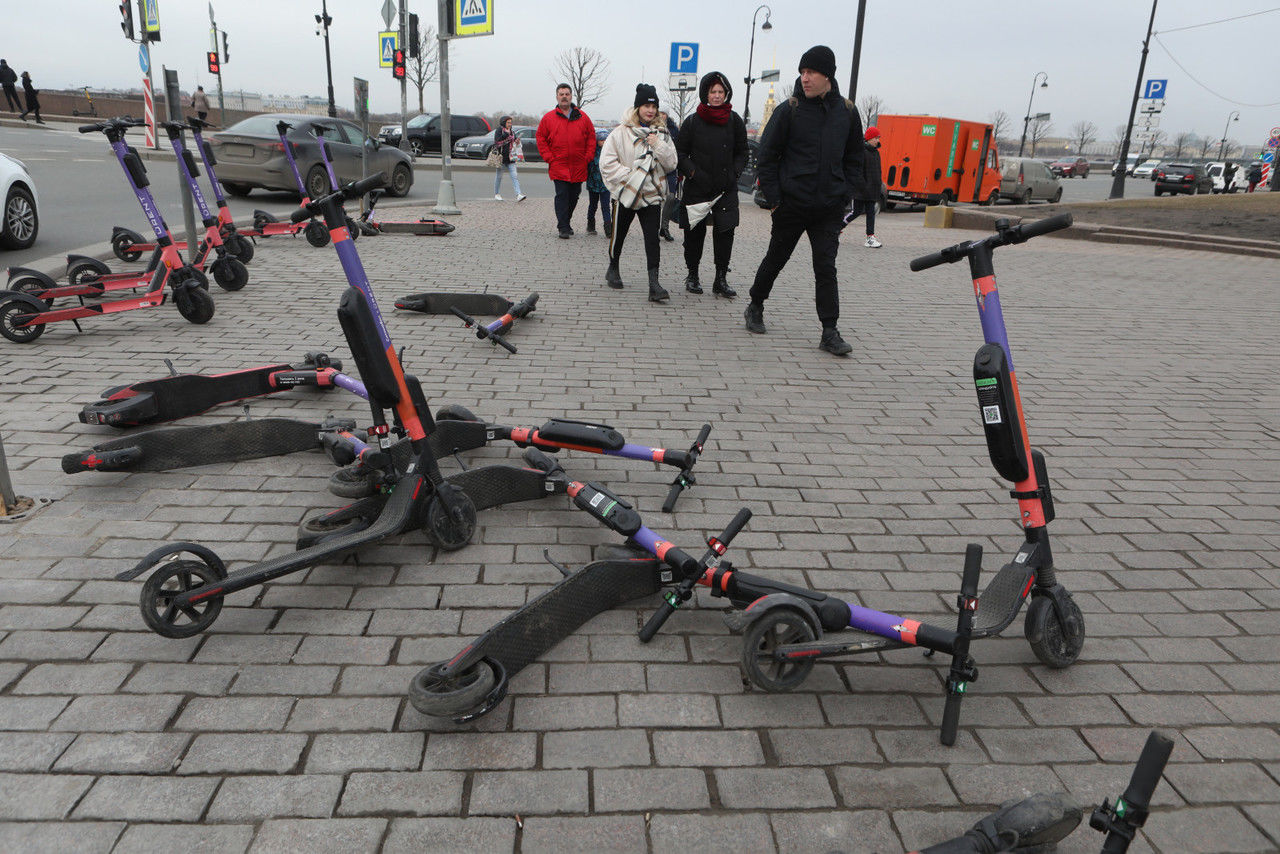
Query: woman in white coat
{"points": [[634, 163]]}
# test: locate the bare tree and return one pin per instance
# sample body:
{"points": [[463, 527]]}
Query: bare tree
{"points": [[1083, 134], [680, 102], [1119, 139], [1185, 141], [1205, 143], [1158, 136], [1039, 129], [1000, 124], [424, 67], [586, 70], [871, 106], [1232, 148]]}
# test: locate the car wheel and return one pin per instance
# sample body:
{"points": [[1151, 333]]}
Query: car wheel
{"points": [[945, 198], [317, 183], [236, 189], [416, 147], [21, 223], [1026, 198], [1057, 197], [401, 180], [1159, 192], [991, 200]]}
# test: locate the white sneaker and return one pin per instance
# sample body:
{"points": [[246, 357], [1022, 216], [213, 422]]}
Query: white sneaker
{"points": [[521, 197], [497, 198], [872, 242]]}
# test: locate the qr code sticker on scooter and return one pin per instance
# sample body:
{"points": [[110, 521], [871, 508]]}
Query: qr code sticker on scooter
{"points": [[991, 415]]}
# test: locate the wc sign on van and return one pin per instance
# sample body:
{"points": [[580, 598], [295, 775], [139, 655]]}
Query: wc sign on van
{"points": [[929, 130]]}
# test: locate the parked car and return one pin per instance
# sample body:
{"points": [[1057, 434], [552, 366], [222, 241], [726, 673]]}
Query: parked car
{"points": [[478, 147], [1215, 169], [1070, 167], [1189, 178], [20, 221], [1024, 180], [424, 131], [250, 154], [1146, 169], [1131, 162]]}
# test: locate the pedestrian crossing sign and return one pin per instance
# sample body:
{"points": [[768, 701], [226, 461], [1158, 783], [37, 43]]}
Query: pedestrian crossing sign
{"points": [[387, 45], [470, 17]]}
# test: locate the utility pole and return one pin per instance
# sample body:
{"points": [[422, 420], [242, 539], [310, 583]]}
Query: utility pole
{"points": [[446, 202], [1117, 183], [324, 21], [213, 48], [404, 89], [857, 52]]}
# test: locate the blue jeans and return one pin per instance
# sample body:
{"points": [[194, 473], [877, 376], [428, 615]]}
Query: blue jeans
{"points": [[497, 178], [602, 200]]}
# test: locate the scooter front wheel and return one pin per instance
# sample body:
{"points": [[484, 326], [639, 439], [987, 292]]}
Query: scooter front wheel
{"points": [[445, 696], [165, 618], [240, 247], [317, 235], [9, 312], [1054, 643], [194, 304], [776, 627], [450, 530], [230, 273]]}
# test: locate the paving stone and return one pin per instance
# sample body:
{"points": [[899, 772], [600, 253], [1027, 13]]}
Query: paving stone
{"points": [[252, 798], [246, 714], [251, 649], [450, 835], [1258, 742], [619, 790], [243, 753], [27, 751], [49, 837], [337, 835], [1206, 829], [40, 796], [402, 793], [487, 750], [145, 647], [338, 753], [298, 680], [823, 832], [564, 835], [50, 646], [722, 834], [30, 713], [528, 792], [330, 714], [181, 678], [549, 713], [1229, 783], [666, 710], [124, 753], [877, 787], [73, 679], [717, 748], [586, 677], [108, 713], [160, 838], [344, 650], [773, 788], [134, 798], [828, 746]]}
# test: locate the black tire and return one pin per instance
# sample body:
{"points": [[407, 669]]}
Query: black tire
{"points": [[352, 228], [992, 199], [442, 529], [238, 190], [1026, 198], [82, 273], [201, 279], [170, 580], [19, 221], [23, 335], [317, 182], [417, 147], [241, 247], [945, 199], [777, 627], [890, 205], [401, 181], [230, 274], [1051, 642], [1057, 197], [448, 696], [194, 304], [317, 235], [30, 285], [453, 412], [1159, 192], [120, 245]]}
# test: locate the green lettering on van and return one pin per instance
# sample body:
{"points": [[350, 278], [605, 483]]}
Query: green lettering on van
{"points": [[929, 130]]}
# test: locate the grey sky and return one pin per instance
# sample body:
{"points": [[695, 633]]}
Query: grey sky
{"points": [[963, 59]]}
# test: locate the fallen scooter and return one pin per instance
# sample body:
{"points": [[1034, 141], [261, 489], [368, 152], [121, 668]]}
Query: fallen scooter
{"points": [[463, 306], [371, 223]]}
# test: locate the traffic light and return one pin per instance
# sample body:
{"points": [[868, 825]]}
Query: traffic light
{"points": [[413, 35], [397, 64], [126, 13], [214, 68], [226, 53]]}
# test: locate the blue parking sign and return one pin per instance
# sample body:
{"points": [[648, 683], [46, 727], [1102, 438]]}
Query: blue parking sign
{"points": [[684, 58], [1268, 156], [1155, 88]]}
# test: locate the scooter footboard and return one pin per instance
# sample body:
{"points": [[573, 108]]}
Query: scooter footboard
{"points": [[171, 398], [178, 447], [1001, 601], [444, 303], [452, 435], [492, 486]]}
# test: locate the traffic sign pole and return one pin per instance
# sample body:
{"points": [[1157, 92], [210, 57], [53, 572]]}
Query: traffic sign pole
{"points": [[1117, 184]]}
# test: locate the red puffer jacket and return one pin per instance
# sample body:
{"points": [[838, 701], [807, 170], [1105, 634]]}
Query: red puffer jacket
{"points": [[567, 144]]}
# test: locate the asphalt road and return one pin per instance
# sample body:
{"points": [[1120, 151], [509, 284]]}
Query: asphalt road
{"points": [[83, 194]]}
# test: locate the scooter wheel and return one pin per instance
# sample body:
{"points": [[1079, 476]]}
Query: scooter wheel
{"points": [[453, 412], [194, 305], [230, 274], [352, 228], [776, 627], [9, 312], [168, 582], [1054, 643], [30, 285], [240, 247], [441, 696], [317, 235], [122, 245], [201, 279], [443, 528], [83, 273]]}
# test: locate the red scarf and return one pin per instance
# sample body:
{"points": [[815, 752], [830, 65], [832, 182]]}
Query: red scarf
{"points": [[715, 115]]}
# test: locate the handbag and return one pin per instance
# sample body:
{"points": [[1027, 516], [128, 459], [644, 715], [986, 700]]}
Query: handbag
{"points": [[494, 159], [517, 151]]}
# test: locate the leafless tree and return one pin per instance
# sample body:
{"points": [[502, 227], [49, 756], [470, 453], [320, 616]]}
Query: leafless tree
{"points": [[871, 106], [1083, 134], [1158, 136], [1205, 143], [586, 70], [1184, 141], [1040, 128], [1000, 124], [1119, 139], [680, 102], [1232, 148], [424, 67]]}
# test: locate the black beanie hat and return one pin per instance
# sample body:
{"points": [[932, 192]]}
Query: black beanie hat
{"points": [[645, 94], [819, 58]]}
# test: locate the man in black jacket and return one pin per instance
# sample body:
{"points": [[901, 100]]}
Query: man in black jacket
{"points": [[809, 164], [7, 80]]}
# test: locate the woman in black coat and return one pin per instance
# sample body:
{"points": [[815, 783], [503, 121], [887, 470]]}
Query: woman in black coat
{"points": [[713, 151], [866, 196], [33, 105]]}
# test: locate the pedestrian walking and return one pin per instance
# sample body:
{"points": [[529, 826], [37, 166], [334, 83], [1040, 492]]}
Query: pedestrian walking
{"points": [[31, 94], [809, 163], [504, 156], [1229, 177], [200, 103], [566, 140], [713, 152], [636, 158], [869, 192], [1254, 176], [597, 191], [8, 77]]}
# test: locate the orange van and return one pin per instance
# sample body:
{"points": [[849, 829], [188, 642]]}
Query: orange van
{"points": [[933, 160]]}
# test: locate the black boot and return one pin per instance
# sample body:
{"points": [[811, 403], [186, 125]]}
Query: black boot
{"points": [[691, 283], [608, 229], [833, 343], [657, 293], [720, 287], [612, 277], [755, 318]]}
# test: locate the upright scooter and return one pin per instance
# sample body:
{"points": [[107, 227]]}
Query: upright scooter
{"points": [[24, 316], [267, 225]]}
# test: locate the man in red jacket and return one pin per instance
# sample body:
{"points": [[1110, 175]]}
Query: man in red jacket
{"points": [[567, 141]]}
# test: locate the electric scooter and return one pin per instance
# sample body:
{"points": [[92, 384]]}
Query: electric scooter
{"points": [[372, 224], [24, 316], [267, 225], [463, 306]]}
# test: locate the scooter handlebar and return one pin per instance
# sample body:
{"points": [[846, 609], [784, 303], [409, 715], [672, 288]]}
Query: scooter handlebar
{"points": [[1029, 230], [1003, 237], [301, 213], [365, 185]]}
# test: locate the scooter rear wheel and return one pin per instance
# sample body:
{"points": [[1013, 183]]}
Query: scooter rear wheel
{"points": [[1053, 643], [8, 325], [777, 627], [121, 245], [317, 235], [30, 285], [83, 273], [453, 412], [164, 585], [194, 304], [441, 696]]}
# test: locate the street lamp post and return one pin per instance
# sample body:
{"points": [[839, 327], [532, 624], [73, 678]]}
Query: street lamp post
{"points": [[1027, 120], [746, 110], [1233, 116], [324, 21]]}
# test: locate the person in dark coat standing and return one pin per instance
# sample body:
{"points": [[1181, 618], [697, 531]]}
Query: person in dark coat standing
{"points": [[31, 93], [868, 195], [809, 164], [7, 78], [713, 152]]}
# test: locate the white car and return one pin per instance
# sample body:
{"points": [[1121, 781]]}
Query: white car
{"points": [[1220, 185], [19, 219], [1146, 169]]}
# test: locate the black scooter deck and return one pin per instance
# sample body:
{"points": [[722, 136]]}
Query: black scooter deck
{"points": [[171, 398], [444, 303], [178, 447]]}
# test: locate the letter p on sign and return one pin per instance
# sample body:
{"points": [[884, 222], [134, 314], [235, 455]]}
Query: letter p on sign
{"points": [[684, 58], [1155, 88]]}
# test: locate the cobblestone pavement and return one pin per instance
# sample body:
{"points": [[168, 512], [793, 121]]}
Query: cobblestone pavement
{"points": [[1149, 381]]}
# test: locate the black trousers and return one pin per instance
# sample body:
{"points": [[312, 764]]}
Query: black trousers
{"points": [[567, 193], [649, 218], [864, 206], [823, 228], [11, 96], [721, 246]]}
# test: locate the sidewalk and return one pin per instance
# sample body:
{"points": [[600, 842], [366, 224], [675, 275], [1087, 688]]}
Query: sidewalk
{"points": [[1148, 376]]}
